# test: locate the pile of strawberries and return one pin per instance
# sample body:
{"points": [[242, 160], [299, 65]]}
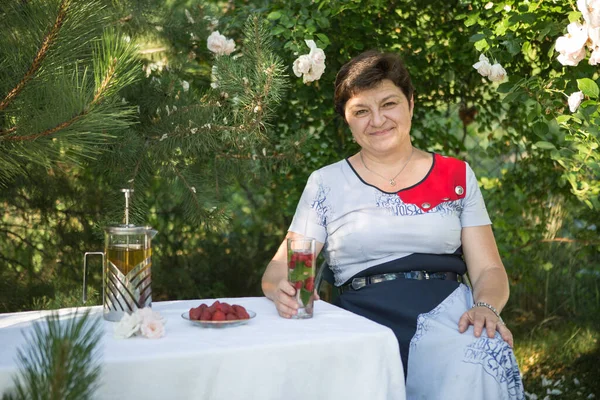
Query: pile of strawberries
{"points": [[218, 311]]}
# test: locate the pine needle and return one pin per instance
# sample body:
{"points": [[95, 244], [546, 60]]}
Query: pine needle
{"points": [[60, 360]]}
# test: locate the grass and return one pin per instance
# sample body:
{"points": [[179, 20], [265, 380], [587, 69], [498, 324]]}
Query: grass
{"points": [[559, 359]]}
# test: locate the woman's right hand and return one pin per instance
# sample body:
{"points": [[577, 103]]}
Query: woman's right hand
{"points": [[285, 300]]}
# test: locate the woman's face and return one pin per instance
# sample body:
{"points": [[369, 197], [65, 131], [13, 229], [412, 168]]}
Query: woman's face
{"points": [[380, 118]]}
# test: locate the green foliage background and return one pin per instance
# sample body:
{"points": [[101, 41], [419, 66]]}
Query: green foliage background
{"points": [[537, 163]]}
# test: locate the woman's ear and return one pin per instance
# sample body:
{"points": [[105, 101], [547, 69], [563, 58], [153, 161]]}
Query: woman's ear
{"points": [[412, 104]]}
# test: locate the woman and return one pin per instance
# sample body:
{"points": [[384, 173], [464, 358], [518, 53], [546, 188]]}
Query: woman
{"points": [[399, 227]]}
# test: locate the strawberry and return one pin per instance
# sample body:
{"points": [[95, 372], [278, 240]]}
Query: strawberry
{"points": [[195, 313], [241, 312], [292, 264], [213, 306], [206, 315], [237, 307], [231, 317], [298, 285], [309, 283], [226, 308], [219, 316]]}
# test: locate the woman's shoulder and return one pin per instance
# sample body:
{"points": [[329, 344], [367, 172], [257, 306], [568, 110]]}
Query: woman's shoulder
{"points": [[444, 160], [333, 170]]}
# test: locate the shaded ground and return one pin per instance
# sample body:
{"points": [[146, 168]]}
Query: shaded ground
{"points": [[559, 359]]}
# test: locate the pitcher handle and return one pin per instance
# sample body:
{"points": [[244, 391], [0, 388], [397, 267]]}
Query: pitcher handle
{"points": [[89, 253]]}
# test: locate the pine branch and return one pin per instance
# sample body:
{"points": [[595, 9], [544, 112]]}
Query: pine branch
{"points": [[98, 96], [105, 86], [8, 131], [40, 56], [60, 360]]}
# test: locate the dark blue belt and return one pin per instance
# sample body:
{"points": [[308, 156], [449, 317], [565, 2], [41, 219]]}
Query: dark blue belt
{"points": [[359, 283]]}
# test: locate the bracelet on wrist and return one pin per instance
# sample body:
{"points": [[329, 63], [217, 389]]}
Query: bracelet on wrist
{"points": [[489, 307]]}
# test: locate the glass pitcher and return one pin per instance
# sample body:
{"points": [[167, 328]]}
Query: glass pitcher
{"points": [[126, 263]]}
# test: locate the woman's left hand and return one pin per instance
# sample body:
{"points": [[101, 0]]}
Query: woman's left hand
{"points": [[480, 318]]}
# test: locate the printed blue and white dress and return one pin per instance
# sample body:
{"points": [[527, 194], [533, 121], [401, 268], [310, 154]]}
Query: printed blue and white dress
{"points": [[366, 231]]}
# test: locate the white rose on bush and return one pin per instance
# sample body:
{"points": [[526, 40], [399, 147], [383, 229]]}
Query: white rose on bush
{"points": [[219, 44], [497, 73], [312, 65], [302, 65], [572, 45], [494, 73], [316, 54], [575, 100], [590, 9], [483, 66], [595, 57]]}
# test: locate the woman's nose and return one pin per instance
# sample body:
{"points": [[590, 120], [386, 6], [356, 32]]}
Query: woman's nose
{"points": [[377, 118]]}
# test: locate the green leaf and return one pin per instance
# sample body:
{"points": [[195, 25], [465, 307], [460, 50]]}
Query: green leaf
{"points": [[476, 37], [481, 45], [278, 30], [574, 16], [562, 118], [274, 15], [541, 129], [323, 38], [588, 87], [512, 46], [509, 98], [472, 19], [547, 266], [305, 296], [545, 145], [505, 87], [527, 18]]}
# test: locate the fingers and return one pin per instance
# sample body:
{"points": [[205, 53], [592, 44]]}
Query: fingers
{"points": [[506, 334], [464, 322], [490, 327], [481, 319], [286, 303], [478, 324]]}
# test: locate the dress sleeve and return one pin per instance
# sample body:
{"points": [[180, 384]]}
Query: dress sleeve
{"points": [[312, 211], [474, 212]]}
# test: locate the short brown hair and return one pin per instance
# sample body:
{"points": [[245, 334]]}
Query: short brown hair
{"points": [[366, 71]]}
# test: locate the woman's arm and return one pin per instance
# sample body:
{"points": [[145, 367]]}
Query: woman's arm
{"points": [[489, 280], [275, 284]]}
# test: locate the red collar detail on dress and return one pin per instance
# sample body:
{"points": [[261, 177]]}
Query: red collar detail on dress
{"points": [[446, 181]]}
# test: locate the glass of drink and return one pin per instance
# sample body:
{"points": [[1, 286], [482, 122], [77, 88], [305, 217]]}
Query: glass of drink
{"points": [[301, 273]]}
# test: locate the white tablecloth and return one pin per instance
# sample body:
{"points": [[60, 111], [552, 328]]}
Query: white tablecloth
{"points": [[334, 355]]}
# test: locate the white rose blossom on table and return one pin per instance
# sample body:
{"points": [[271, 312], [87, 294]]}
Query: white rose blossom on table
{"points": [[219, 44], [312, 65], [143, 321]]}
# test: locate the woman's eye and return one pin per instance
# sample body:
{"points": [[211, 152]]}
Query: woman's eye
{"points": [[389, 104], [360, 112]]}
